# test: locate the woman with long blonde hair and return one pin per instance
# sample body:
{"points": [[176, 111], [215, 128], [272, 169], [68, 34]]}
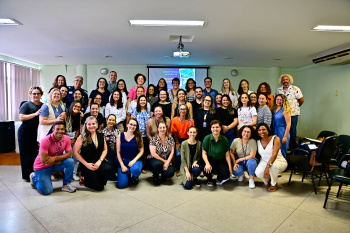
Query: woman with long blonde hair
{"points": [[281, 121], [228, 90]]}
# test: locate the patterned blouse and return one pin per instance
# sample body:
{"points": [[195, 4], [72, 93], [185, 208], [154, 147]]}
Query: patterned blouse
{"points": [[160, 149], [111, 137], [293, 94], [142, 118]]}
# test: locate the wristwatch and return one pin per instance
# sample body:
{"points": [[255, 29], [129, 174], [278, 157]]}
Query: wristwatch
{"points": [[270, 164], [101, 159]]}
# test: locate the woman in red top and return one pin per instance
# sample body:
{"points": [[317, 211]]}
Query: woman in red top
{"points": [[266, 89], [179, 128]]}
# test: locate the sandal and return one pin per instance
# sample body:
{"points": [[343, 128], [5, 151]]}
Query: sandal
{"points": [[273, 188], [144, 171], [81, 181]]}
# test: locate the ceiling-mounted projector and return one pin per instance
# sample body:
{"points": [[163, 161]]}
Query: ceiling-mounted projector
{"points": [[180, 53]]}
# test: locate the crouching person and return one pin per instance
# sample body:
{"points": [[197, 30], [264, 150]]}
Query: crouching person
{"points": [[51, 159]]}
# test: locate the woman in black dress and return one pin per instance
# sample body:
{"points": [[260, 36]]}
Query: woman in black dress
{"points": [[29, 115], [204, 116], [94, 167]]}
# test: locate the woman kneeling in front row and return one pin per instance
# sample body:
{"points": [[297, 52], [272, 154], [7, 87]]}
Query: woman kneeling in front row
{"points": [[191, 152], [272, 161], [162, 152], [216, 155], [129, 151], [94, 167], [243, 151]]}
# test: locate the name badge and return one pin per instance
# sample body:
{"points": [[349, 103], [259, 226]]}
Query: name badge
{"points": [[204, 124]]}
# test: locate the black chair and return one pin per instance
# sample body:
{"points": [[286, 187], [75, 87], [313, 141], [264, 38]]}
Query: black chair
{"points": [[343, 147], [338, 175], [300, 159], [322, 134]]}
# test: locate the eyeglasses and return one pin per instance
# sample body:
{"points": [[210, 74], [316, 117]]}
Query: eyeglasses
{"points": [[253, 97], [207, 82], [77, 106], [182, 109], [207, 100], [279, 99], [78, 80], [132, 125], [36, 93], [247, 132]]}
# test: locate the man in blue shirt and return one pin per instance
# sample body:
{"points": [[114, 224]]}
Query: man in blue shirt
{"points": [[78, 82], [112, 84], [208, 90]]}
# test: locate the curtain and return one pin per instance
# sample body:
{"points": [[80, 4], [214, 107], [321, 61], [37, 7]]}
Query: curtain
{"points": [[3, 91], [20, 84], [35, 77]]}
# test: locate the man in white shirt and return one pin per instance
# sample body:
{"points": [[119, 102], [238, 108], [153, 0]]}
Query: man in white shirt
{"points": [[296, 99]]}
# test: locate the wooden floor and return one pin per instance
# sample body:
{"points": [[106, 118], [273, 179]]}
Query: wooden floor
{"points": [[11, 158]]}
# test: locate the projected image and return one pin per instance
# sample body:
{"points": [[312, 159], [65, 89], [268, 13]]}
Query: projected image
{"points": [[185, 74]]}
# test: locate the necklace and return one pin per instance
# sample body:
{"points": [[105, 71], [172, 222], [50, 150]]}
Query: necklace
{"points": [[94, 142]]}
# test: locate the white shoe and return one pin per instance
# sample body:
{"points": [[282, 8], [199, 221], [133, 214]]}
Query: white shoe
{"points": [[246, 176], [233, 176], [31, 179], [240, 178], [75, 177], [251, 184]]}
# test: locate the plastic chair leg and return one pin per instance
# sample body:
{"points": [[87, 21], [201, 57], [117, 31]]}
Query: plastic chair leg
{"points": [[304, 175], [313, 182], [328, 190], [340, 185], [290, 177]]}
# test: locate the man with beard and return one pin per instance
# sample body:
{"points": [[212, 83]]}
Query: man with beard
{"points": [[295, 99], [197, 103]]}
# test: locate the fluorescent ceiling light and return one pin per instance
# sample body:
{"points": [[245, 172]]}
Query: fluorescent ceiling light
{"points": [[330, 28], [167, 23], [9, 22]]}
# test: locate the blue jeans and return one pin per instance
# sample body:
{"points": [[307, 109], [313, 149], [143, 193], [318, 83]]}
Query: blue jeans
{"points": [[178, 154], [230, 135], [196, 171], [293, 132], [134, 170], [113, 160], [42, 178], [250, 165]]}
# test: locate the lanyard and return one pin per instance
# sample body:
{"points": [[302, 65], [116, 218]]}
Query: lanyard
{"points": [[244, 150], [59, 148], [205, 115]]}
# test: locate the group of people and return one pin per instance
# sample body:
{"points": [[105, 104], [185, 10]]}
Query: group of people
{"points": [[189, 132]]}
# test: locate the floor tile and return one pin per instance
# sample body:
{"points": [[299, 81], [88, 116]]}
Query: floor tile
{"points": [[23, 222], [230, 212], [99, 212], [301, 221], [10, 206]]}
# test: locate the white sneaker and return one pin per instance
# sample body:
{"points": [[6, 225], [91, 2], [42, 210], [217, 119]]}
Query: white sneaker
{"points": [[251, 184], [210, 184], [75, 177], [31, 179], [223, 181], [246, 176], [69, 188], [240, 178]]}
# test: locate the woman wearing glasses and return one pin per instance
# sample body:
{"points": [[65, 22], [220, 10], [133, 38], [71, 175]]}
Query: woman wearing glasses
{"points": [[27, 133], [204, 116]]}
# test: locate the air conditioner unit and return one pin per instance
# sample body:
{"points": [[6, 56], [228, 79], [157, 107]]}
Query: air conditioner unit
{"points": [[335, 56]]}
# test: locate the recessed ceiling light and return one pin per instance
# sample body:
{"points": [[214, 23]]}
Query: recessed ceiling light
{"points": [[9, 22], [163, 23], [227, 57], [58, 56], [108, 56], [330, 28], [277, 59]]}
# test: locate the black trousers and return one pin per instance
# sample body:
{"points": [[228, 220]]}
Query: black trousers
{"points": [[98, 179], [220, 168]]}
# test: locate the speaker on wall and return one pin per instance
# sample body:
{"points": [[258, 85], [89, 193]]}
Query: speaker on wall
{"points": [[7, 136]]}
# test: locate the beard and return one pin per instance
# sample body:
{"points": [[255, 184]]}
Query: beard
{"points": [[286, 84]]}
